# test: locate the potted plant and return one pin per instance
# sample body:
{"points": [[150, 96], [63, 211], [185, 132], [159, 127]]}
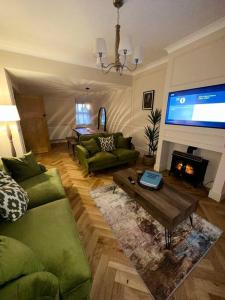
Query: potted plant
{"points": [[152, 135]]}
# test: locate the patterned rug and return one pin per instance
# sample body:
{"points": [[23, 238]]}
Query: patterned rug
{"points": [[142, 239]]}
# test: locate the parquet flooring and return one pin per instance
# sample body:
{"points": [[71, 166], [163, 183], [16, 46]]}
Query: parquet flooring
{"points": [[113, 276]]}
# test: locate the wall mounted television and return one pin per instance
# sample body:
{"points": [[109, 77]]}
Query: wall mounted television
{"points": [[202, 107]]}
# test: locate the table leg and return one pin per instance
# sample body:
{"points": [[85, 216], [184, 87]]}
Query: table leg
{"points": [[114, 188], [168, 238], [73, 149], [191, 220]]}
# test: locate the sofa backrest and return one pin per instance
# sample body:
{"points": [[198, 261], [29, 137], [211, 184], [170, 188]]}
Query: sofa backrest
{"points": [[87, 137], [96, 135], [2, 167]]}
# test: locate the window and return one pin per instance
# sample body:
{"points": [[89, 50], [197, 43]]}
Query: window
{"points": [[83, 114]]}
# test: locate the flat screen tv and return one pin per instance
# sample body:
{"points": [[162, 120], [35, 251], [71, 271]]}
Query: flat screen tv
{"points": [[203, 107]]}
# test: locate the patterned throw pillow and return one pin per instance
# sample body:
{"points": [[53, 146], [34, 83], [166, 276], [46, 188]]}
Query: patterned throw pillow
{"points": [[13, 199], [107, 143]]}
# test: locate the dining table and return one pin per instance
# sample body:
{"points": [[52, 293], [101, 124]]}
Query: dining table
{"points": [[86, 131]]}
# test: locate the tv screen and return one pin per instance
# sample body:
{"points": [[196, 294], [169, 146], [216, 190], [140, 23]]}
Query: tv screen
{"points": [[203, 107]]}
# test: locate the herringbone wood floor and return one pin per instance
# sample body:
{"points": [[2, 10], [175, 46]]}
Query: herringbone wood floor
{"points": [[113, 276]]}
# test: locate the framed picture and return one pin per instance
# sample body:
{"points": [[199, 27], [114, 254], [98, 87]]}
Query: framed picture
{"points": [[148, 100]]}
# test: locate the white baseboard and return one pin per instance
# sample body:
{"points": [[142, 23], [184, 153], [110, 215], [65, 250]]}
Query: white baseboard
{"points": [[216, 196]]}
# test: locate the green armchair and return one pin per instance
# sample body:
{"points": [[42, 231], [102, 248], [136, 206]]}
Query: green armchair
{"points": [[102, 160]]}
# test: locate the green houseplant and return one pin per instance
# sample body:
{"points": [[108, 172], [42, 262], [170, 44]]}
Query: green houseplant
{"points": [[152, 136]]}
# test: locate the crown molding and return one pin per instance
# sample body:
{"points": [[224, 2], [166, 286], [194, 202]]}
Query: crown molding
{"points": [[195, 36], [152, 65]]}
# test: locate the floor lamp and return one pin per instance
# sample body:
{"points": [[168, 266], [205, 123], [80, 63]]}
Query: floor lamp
{"points": [[9, 113]]}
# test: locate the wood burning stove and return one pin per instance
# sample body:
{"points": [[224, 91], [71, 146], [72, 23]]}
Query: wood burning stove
{"points": [[188, 166]]}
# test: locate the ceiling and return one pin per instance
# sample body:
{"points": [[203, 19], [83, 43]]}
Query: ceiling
{"points": [[41, 84], [66, 30]]}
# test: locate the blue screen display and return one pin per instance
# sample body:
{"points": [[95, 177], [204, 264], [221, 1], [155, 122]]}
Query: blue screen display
{"points": [[203, 107]]}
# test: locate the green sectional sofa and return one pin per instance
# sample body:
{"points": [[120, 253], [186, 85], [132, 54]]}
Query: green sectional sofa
{"points": [[102, 160], [49, 230]]}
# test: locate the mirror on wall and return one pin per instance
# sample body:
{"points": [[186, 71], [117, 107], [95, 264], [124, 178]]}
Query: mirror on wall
{"points": [[102, 119]]}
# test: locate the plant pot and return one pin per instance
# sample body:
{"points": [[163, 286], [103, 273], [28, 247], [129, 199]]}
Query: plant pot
{"points": [[148, 160]]}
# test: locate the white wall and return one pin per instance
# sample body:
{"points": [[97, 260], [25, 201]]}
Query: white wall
{"points": [[118, 108], [201, 63], [60, 114], [10, 60], [153, 79], [124, 106]]}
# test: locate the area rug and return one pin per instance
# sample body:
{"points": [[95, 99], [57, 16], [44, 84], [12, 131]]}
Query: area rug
{"points": [[142, 239]]}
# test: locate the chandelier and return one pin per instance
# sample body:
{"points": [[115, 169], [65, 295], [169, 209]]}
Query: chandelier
{"points": [[123, 49]]}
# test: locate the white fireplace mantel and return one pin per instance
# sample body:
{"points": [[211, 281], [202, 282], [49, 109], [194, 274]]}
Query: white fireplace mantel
{"points": [[203, 138]]}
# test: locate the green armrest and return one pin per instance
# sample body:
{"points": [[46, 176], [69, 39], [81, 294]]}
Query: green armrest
{"points": [[35, 286], [82, 155], [82, 151]]}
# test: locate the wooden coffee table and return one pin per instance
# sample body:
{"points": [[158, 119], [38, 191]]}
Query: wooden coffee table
{"points": [[168, 205]]}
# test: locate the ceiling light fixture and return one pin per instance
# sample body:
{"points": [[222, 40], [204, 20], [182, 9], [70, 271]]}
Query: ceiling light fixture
{"points": [[87, 91], [123, 49]]}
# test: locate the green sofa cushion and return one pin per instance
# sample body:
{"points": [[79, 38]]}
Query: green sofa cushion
{"points": [[21, 168], [16, 260], [123, 142], [115, 135], [126, 154], [51, 233], [44, 188], [36, 286], [101, 159], [91, 145]]}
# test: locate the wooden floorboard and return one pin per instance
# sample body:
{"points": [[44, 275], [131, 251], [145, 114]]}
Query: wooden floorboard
{"points": [[113, 276]]}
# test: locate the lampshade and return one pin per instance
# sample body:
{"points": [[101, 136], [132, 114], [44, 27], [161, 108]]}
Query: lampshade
{"points": [[101, 47], [137, 55], [125, 45], [9, 113]]}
